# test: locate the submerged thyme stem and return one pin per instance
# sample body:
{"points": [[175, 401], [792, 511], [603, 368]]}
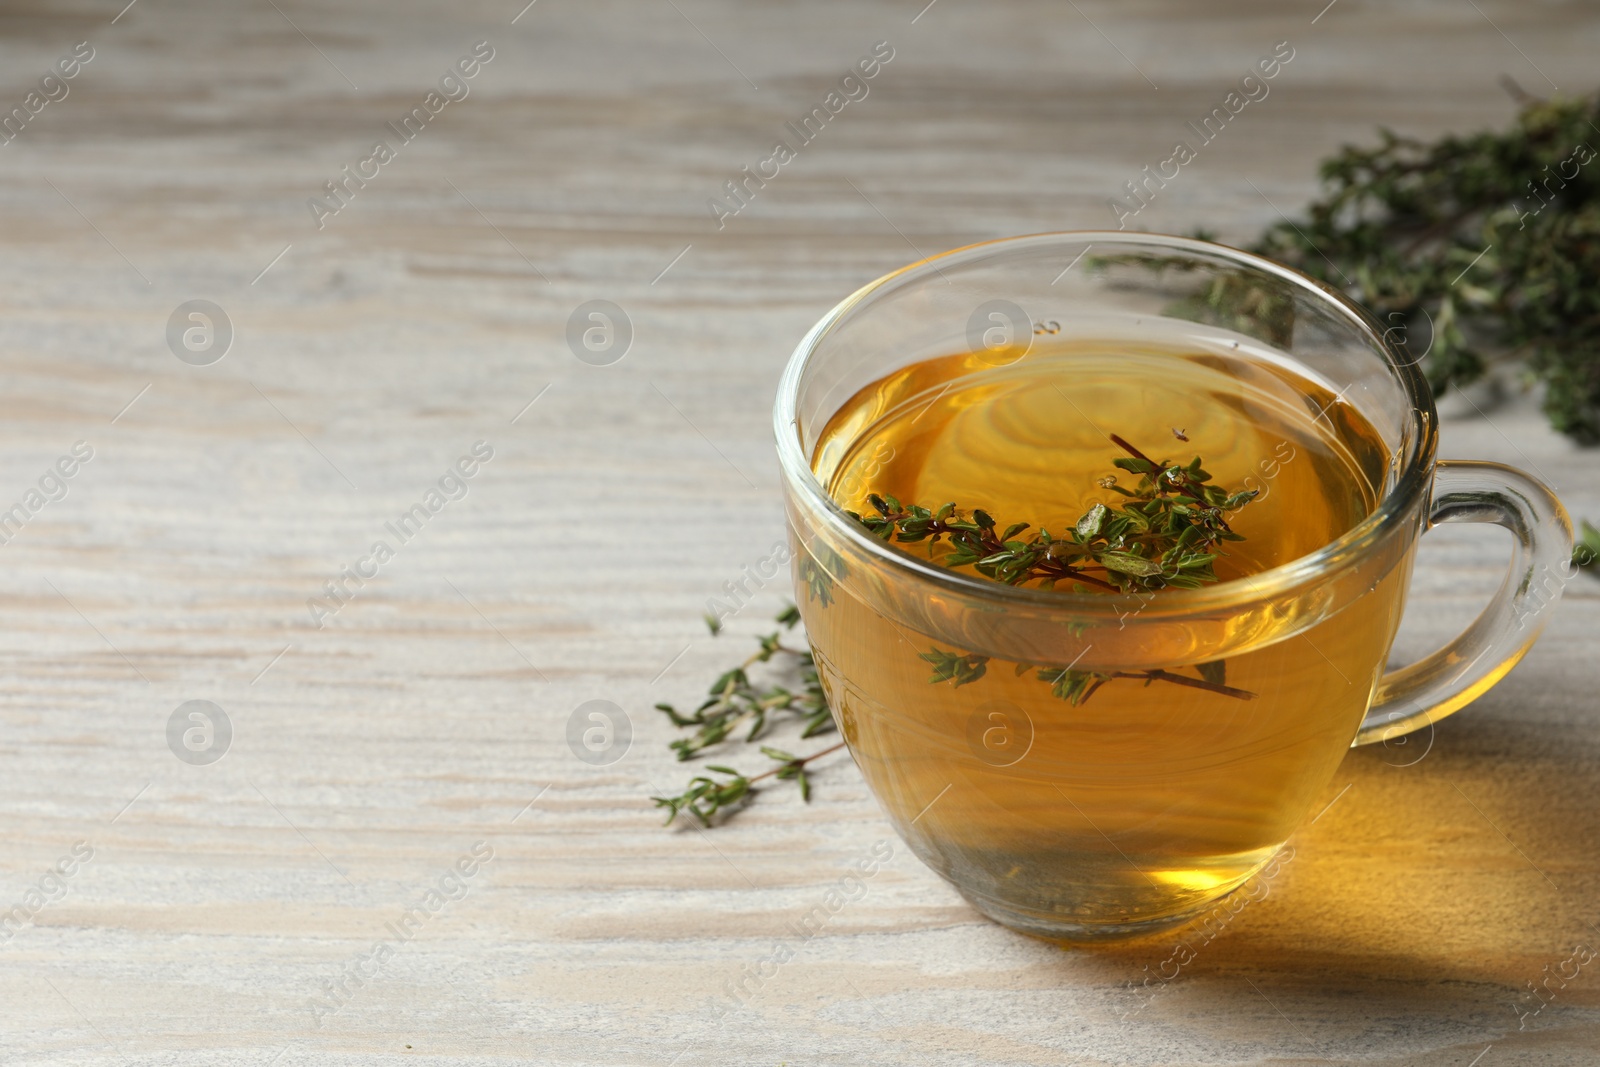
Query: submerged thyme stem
{"points": [[1183, 679]]}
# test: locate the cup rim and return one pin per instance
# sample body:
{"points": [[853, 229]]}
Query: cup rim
{"points": [[1393, 508]]}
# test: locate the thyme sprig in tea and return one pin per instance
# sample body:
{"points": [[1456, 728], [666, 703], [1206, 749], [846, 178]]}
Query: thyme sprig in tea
{"points": [[1168, 532], [1075, 686], [1164, 535]]}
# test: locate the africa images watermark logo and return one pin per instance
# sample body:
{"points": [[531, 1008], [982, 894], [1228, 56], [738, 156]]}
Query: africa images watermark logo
{"points": [[848, 889], [451, 886], [453, 88], [1252, 89], [852, 87], [49, 889], [353, 577], [199, 732], [52, 487], [52, 89]]}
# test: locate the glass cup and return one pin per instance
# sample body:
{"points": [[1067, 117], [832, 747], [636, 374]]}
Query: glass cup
{"points": [[1077, 822]]}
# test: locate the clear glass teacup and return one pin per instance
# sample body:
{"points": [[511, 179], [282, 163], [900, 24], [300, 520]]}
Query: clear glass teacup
{"points": [[1216, 714]]}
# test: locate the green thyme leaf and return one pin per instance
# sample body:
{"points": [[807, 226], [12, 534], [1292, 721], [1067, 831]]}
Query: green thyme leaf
{"points": [[1586, 553], [1093, 522], [1127, 563]]}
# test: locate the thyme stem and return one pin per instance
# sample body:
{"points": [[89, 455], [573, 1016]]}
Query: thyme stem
{"points": [[1184, 679], [800, 762]]}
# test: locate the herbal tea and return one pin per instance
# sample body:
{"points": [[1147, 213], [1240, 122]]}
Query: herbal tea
{"points": [[1064, 793]]}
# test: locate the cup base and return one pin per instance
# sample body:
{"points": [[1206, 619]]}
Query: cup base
{"points": [[1050, 928]]}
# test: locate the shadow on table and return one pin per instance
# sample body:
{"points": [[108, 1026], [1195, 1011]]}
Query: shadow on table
{"points": [[1446, 882]]}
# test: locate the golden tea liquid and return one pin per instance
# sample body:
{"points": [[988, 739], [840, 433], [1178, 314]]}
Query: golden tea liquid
{"points": [[1150, 798]]}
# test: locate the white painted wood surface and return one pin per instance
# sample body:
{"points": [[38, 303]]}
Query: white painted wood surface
{"points": [[430, 713]]}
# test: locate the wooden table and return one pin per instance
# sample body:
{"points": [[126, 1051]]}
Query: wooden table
{"points": [[211, 908]]}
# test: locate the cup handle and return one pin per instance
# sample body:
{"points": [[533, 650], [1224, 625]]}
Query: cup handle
{"points": [[1466, 668]]}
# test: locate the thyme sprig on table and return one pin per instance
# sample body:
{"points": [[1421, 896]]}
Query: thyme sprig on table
{"points": [[736, 701], [706, 797]]}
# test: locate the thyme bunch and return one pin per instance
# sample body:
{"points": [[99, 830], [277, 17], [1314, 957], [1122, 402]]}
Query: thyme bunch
{"points": [[1477, 249], [1586, 553]]}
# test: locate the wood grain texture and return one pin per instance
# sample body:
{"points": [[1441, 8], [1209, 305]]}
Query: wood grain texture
{"points": [[429, 713]]}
